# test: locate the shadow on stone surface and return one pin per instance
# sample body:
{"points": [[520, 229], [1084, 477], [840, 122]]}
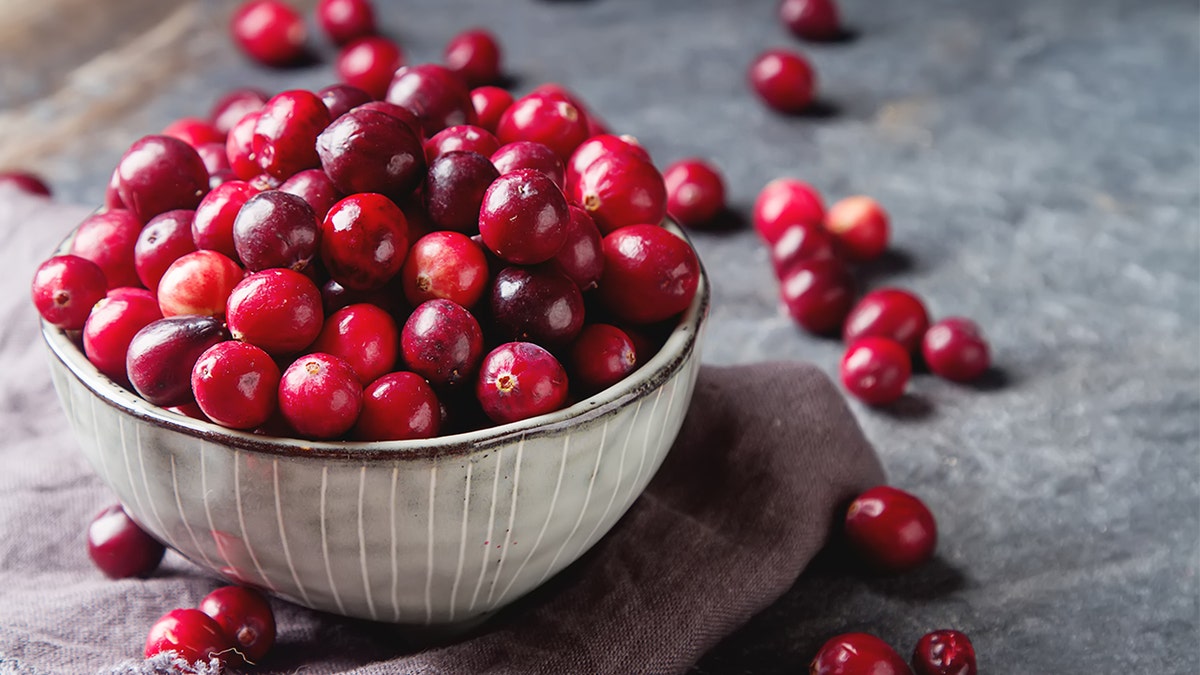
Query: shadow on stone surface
{"points": [[993, 379], [819, 109], [729, 221], [894, 261], [934, 579], [908, 408]]}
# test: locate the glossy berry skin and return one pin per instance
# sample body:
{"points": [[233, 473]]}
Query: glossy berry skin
{"points": [[783, 203], [26, 182], [112, 193], [160, 173], [370, 151], [466, 137], [876, 369], [596, 147], [194, 131], [398, 407], [216, 162], [286, 132], [800, 242], [539, 305], [519, 380], [529, 155], [314, 187], [212, 224], [245, 616], [547, 118], [695, 192], [857, 654], [954, 348], [346, 20], [190, 633], [784, 80], [860, 226], [474, 55], [891, 529], [161, 355], [601, 356], [944, 652], [111, 326], [892, 313], [490, 103], [269, 31], [364, 239], [818, 294], [815, 20], [109, 239], [198, 283], [276, 309], [618, 190], [442, 342], [340, 99], [320, 396], [365, 336], [581, 257], [649, 274], [454, 189], [369, 63], [239, 147], [65, 288], [119, 547], [448, 265], [524, 217], [236, 384], [438, 97], [276, 229], [234, 105]]}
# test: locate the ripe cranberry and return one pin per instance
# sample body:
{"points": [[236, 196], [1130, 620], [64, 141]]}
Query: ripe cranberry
{"points": [[236, 384], [364, 239], [269, 31], [244, 615], [619, 190], [892, 313], [320, 396], [490, 103], [365, 336], [600, 357], [954, 348], [695, 192], [649, 274], [212, 224], [369, 151], [108, 239], [216, 162], [524, 217], [892, 530], [276, 229], [191, 634], [398, 407], [546, 118], [581, 257], [857, 654], [346, 20], [26, 182], [369, 63], [876, 369], [595, 126], [239, 147], [454, 190], [65, 288], [112, 193], [110, 328], [799, 242], [596, 147], [286, 132], [276, 309], [314, 187], [340, 99], [160, 173], [783, 80], [785, 202], [519, 380], [399, 112], [198, 283], [818, 294], [442, 342], [194, 131], [161, 355], [437, 96], [944, 652], [860, 226], [815, 20], [234, 105], [445, 265], [529, 155], [474, 55], [119, 547], [466, 137], [539, 305]]}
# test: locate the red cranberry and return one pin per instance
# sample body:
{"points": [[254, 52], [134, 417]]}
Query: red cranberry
{"points": [[108, 239], [546, 118], [445, 265], [340, 99], [437, 96], [194, 131], [212, 224], [475, 56], [892, 530], [191, 634], [442, 342], [785, 202], [276, 309], [537, 305], [815, 20], [519, 380], [369, 63], [25, 182], [65, 288], [346, 20], [198, 283], [364, 239], [876, 369], [649, 274], [466, 137], [600, 357], [235, 105], [455, 187], [369, 151], [244, 615], [595, 126], [161, 355], [891, 313], [619, 190], [695, 192], [944, 652], [529, 155], [784, 80], [490, 103], [269, 31], [860, 226], [239, 147], [112, 193], [286, 133], [365, 336], [857, 654], [399, 112], [818, 294], [596, 147], [216, 162], [160, 173], [119, 547], [320, 396], [581, 257], [314, 187], [110, 328], [800, 242], [276, 229], [398, 407], [236, 384], [954, 348], [524, 217]]}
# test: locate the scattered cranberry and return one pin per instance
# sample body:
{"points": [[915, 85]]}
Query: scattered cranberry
{"points": [[454, 189], [340, 99], [437, 96], [954, 348], [364, 239], [161, 355], [346, 20], [65, 288], [110, 328], [490, 103], [239, 147], [212, 224], [109, 238], [524, 217], [442, 342], [944, 652], [244, 615], [446, 265], [194, 131], [529, 155], [546, 118], [160, 173], [798, 243], [519, 380], [695, 192], [314, 187], [892, 530], [857, 654], [370, 151], [320, 396], [286, 132], [119, 547], [236, 384], [860, 226], [234, 105], [466, 137], [581, 257], [191, 634], [198, 283], [25, 182], [876, 369], [892, 313], [276, 309], [785, 202], [539, 305], [269, 31], [818, 294], [815, 20], [649, 274], [365, 336], [600, 357], [475, 56], [784, 80], [398, 407], [276, 229], [369, 63], [620, 189]]}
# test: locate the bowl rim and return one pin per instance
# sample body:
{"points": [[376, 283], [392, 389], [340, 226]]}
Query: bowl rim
{"points": [[679, 347]]}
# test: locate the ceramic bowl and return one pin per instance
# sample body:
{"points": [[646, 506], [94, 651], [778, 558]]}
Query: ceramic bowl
{"points": [[435, 533]]}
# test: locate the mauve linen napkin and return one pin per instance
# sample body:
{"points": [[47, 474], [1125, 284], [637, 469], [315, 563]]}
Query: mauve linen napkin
{"points": [[745, 499]]}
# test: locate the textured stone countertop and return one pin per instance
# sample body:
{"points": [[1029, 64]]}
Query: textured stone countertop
{"points": [[1041, 164]]}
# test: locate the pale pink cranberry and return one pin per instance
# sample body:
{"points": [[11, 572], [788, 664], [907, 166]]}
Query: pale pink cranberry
{"points": [[320, 396], [198, 283]]}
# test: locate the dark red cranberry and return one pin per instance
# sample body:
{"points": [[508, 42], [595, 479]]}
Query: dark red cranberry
{"points": [[314, 187], [539, 305], [600, 357], [524, 217], [346, 20], [369, 63], [119, 547], [286, 133], [892, 313], [236, 384], [857, 654], [369, 151], [695, 192], [342, 98], [529, 155], [446, 265], [320, 396], [581, 257], [191, 634], [785, 202], [475, 56], [65, 288], [519, 380], [198, 283], [800, 242], [234, 105], [398, 407], [815, 20], [276, 229], [399, 112], [269, 31], [860, 226], [546, 118], [212, 224], [944, 652], [194, 131], [276, 309], [437, 96], [454, 189], [893, 530], [108, 239], [160, 173], [818, 294], [876, 369], [110, 328], [215, 161], [649, 274], [365, 336], [239, 147], [465, 137], [161, 355], [490, 104], [784, 80], [954, 348], [25, 181], [619, 190], [244, 615], [364, 239], [442, 342], [596, 147]]}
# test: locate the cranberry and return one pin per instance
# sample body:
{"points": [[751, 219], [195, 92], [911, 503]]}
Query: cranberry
{"points": [[65, 288], [857, 654], [314, 187], [524, 217], [25, 182], [815, 20], [276, 229], [112, 193], [216, 162], [110, 328], [212, 224], [161, 355], [235, 105], [891, 313], [244, 615], [455, 187], [399, 112], [546, 118], [860, 226], [165, 239], [475, 56], [119, 547], [160, 173], [108, 239], [442, 342], [519, 380], [600, 357], [198, 283], [369, 151], [369, 63], [445, 265], [581, 257], [437, 96], [649, 274], [695, 192], [785, 202], [539, 305], [595, 126], [954, 348], [191, 634], [799, 242], [189, 409], [239, 147], [818, 294], [944, 652], [784, 80], [286, 132], [364, 239], [320, 396], [269, 31], [194, 131], [892, 530], [596, 147], [876, 369], [340, 99], [462, 137], [398, 407], [236, 384], [365, 336], [529, 155], [276, 309], [490, 103], [619, 190], [346, 20]]}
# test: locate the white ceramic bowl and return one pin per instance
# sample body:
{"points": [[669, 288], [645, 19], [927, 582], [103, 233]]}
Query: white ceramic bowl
{"points": [[433, 533]]}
